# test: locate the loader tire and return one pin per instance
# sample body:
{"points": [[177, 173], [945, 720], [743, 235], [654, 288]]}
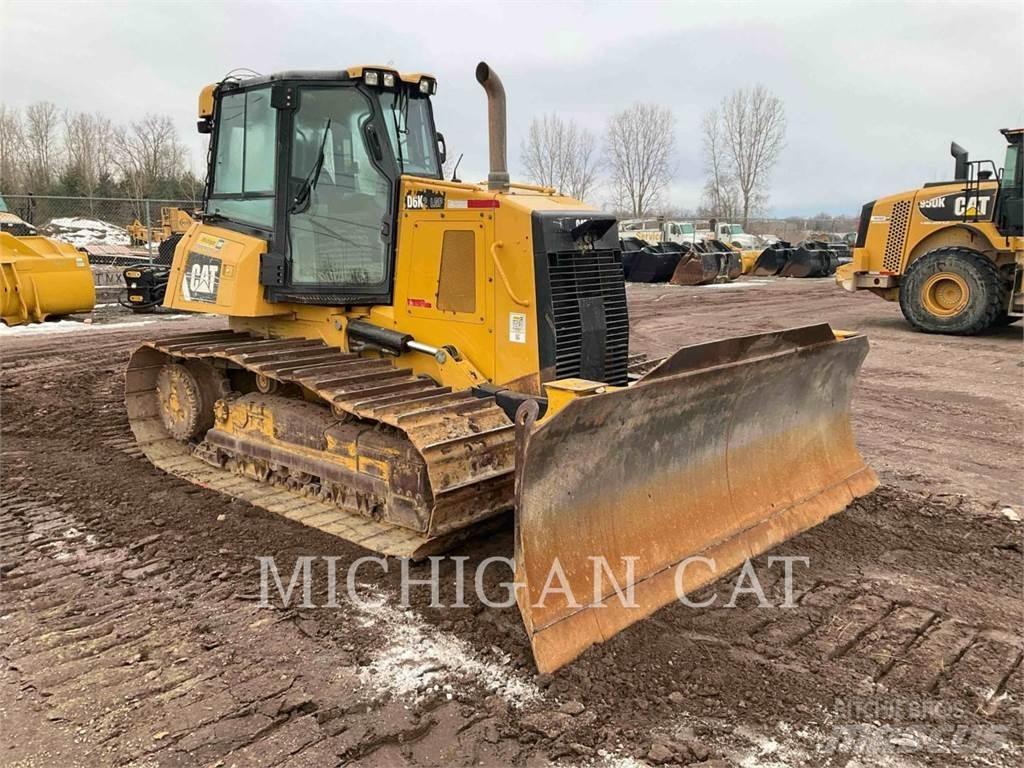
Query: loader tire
{"points": [[954, 291]]}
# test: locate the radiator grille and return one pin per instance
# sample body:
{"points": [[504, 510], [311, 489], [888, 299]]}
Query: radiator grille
{"points": [[589, 281], [897, 236]]}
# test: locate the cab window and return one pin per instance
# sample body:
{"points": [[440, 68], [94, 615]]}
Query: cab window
{"points": [[1011, 168], [246, 147], [411, 132], [339, 201]]}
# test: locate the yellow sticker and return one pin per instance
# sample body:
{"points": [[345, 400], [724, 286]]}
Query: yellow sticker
{"points": [[208, 241]]}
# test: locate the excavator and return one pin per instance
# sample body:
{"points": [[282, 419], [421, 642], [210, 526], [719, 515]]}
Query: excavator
{"points": [[408, 357]]}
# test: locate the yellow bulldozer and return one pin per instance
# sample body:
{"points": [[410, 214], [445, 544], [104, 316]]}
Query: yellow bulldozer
{"points": [[409, 357], [951, 252], [40, 278]]}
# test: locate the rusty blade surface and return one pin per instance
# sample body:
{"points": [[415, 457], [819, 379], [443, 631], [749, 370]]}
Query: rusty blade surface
{"points": [[723, 451]]}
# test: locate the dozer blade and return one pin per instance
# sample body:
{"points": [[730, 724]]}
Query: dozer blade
{"points": [[723, 451]]}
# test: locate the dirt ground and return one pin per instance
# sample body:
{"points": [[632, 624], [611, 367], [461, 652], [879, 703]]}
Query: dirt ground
{"points": [[131, 631]]}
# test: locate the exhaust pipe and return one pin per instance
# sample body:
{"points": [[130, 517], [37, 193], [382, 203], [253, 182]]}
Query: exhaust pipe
{"points": [[960, 168], [497, 177]]}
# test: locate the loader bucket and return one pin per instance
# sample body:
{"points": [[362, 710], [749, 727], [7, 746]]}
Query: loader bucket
{"points": [[723, 451], [696, 268], [42, 278], [771, 261], [807, 260], [732, 264], [655, 263]]}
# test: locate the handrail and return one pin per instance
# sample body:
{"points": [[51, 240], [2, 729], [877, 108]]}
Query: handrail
{"points": [[501, 272]]}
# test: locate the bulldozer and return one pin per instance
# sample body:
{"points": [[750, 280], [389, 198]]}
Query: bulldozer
{"points": [[951, 252], [40, 278], [408, 358]]}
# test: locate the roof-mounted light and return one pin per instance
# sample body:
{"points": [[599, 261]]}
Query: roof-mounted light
{"points": [[389, 80], [428, 86], [371, 78]]}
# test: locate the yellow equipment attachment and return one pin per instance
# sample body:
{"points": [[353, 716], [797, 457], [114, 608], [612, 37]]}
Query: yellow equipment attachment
{"points": [[42, 278], [390, 351], [723, 451]]}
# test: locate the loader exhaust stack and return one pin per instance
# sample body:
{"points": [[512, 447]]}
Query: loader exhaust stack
{"points": [[497, 177]]}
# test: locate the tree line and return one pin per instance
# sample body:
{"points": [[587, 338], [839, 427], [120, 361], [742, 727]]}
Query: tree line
{"points": [[48, 151], [634, 160]]}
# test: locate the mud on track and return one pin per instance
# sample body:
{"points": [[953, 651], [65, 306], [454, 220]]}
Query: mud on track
{"points": [[130, 631]]}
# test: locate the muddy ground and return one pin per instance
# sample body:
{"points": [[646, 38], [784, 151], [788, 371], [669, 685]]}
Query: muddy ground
{"points": [[131, 631]]}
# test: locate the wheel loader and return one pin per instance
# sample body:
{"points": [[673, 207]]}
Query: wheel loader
{"points": [[409, 357], [951, 252]]}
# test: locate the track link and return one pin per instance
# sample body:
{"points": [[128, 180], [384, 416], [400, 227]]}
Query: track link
{"points": [[466, 442]]}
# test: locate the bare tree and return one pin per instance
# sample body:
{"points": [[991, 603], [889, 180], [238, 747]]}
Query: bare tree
{"points": [[754, 127], [639, 146], [558, 153], [721, 193], [89, 150], [149, 156], [12, 151], [42, 144]]}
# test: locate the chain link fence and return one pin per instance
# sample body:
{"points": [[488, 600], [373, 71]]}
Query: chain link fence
{"points": [[794, 229], [124, 228], [112, 230]]}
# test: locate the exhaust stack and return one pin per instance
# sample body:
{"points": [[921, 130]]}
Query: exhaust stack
{"points": [[497, 177], [960, 165]]}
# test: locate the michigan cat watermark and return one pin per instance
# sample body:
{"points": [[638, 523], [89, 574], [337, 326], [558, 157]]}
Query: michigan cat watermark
{"points": [[606, 583]]}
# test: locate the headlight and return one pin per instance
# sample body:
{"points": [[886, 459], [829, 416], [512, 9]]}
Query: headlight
{"points": [[424, 86], [371, 78], [389, 80]]}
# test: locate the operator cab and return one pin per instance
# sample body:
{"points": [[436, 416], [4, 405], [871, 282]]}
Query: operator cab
{"points": [[311, 162], [1009, 217]]}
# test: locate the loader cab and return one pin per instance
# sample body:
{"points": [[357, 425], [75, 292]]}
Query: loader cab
{"points": [[1009, 213], [311, 162]]}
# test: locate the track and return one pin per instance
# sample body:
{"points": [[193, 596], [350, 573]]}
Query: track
{"points": [[466, 443], [130, 630]]}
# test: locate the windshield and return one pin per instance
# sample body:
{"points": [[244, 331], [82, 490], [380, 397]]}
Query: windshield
{"points": [[411, 132]]}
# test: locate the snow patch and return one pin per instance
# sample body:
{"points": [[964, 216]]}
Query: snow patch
{"points": [[744, 284], [81, 231], [70, 326], [418, 659]]}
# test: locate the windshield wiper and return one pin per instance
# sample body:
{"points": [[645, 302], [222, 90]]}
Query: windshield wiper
{"points": [[305, 193], [402, 110]]}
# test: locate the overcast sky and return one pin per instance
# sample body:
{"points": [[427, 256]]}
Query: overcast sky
{"points": [[874, 92]]}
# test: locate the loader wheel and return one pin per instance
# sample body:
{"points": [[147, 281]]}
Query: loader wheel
{"points": [[952, 290], [186, 396]]}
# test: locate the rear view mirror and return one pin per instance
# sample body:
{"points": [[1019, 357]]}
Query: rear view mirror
{"points": [[442, 149]]}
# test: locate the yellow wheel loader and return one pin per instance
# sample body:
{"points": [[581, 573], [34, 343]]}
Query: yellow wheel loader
{"points": [[951, 252], [409, 357], [40, 278]]}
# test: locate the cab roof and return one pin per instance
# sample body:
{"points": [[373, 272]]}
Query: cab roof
{"points": [[349, 73]]}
